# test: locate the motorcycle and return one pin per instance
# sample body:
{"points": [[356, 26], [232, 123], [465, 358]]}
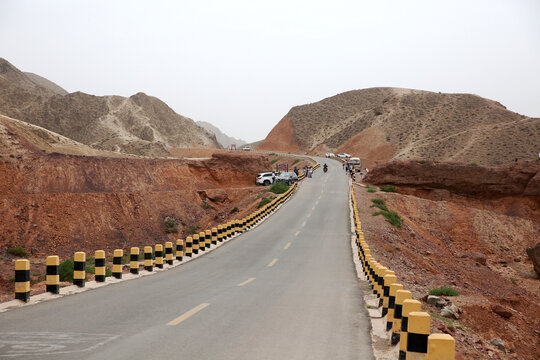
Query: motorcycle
{"points": [[325, 169]]}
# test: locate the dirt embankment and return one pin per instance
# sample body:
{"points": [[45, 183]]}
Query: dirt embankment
{"points": [[466, 227]]}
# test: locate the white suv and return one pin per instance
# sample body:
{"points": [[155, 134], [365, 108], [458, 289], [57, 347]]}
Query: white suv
{"points": [[265, 179]]}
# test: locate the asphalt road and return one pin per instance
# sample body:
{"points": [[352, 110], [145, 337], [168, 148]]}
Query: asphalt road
{"points": [[284, 290]]}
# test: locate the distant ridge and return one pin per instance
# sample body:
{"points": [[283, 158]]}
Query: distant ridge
{"points": [[224, 140], [41, 81]]}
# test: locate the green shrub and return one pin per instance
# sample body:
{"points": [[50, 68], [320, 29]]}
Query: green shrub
{"points": [[274, 161], [444, 291], [391, 216], [234, 210], [371, 189], [295, 161], [279, 187], [379, 203], [17, 251], [387, 188], [193, 229], [170, 225], [263, 202], [272, 154], [66, 270], [90, 268]]}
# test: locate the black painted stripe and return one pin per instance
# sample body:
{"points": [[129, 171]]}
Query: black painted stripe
{"points": [[52, 270], [179, 247], [386, 290], [168, 250], [147, 256], [79, 265], [117, 260], [398, 311], [22, 275], [391, 302], [417, 343], [134, 257], [159, 254], [100, 278], [99, 262], [404, 323]]}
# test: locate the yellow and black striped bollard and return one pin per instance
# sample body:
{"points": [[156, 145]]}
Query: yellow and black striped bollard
{"points": [[392, 305], [168, 253], [53, 274], [389, 279], [179, 249], [220, 233], [228, 230], [134, 260], [214, 236], [159, 256], [79, 268], [417, 335], [195, 244], [409, 306], [148, 262], [189, 246], [202, 241], [208, 238], [441, 347], [99, 266], [118, 254], [401, 296], [22, 280]]}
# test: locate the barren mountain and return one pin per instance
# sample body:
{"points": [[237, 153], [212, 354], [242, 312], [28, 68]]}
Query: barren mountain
{"points": [[222, 138], [390, 123], [48, 84], [140, 124]]}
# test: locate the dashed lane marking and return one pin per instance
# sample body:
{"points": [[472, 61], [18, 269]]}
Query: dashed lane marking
{"points": [[287, 246], [309, 215], [303, 224], [188, 314], [296, 233], [246, 282], [272, 262]]}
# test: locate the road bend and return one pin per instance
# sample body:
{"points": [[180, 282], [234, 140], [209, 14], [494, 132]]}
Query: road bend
{"points": [[284, 290]]}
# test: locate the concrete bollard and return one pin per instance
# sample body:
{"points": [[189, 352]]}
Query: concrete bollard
{"points": [[401, 295], [441, 347], [148, 262], [159, 256], [99, 266], [134, 260], [409, 306], [168, 253], [22, 280], [228, 229], [388, 279], [179, 249], [202, 242], [391, 305], [220, 233], [380, 284], [214, 236], [208, 238], [189, 246], [417, 335], [195, 244], [117, 263], [79, 269], [53, 274]]}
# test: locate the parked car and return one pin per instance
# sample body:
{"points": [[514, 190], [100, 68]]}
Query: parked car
{"points": [[265, 179], [287, 177], [330, 155], [355, 161], [344, 155], [246, 148]]}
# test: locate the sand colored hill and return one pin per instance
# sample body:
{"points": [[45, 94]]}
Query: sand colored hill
{"points": [[392, 123], [223, 139], [45, 83], [140, 124]]}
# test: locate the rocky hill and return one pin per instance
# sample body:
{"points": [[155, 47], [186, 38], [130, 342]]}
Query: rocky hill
{"points": [[223, 139], [140, 124], [391, 123]]}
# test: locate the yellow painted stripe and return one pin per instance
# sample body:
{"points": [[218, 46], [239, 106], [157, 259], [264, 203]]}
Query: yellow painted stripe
{"points": [[188, 314], [296, 234], [309, 215], [287, 246], [246, 282], [272, 262]]}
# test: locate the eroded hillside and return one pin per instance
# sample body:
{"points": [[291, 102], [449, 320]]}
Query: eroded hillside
{"points": [[390, 123]]}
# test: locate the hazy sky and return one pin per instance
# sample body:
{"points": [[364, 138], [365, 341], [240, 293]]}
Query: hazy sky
{"points": [[241, 65]]}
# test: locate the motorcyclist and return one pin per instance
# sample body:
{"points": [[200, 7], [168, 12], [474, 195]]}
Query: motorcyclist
{"points": [[325, 168]]}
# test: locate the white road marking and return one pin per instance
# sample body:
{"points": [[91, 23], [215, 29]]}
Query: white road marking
{"points": [[246, 282], [188, 314], [287, 246], [296, 233], [272, 262], [304, 224]]}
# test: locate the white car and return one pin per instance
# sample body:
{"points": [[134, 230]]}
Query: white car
{"points": [[265, 179], [344, 155], [330, 155], [246, 148]]}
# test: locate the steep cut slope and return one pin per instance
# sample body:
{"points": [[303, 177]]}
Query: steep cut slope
{"points": [[222, 138], [140, 124], [404, 123]]}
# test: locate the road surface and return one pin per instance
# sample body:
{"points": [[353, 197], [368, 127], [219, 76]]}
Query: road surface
{"points": [[284, 290]]}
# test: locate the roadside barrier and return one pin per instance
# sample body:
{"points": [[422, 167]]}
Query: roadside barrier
{"points": [[229, 229], [53, 274], [148, 263], [195, 244], [208, 236], [401, 295], [100, 270], [179, 249], [189, 246], [22, 280], [117, 263], [202, 241], [441, 347], [134, 260], [220, 232], [214, 236], [417, 336], [159, 256], [79, 268], [168, 253], [392, 305], [409, 306], [389, 279]]}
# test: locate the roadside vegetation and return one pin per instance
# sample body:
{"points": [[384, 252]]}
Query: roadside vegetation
{"points": [[387, 188], [444, 291], [17, 251], [391, 216], [279, 188], [371, 189]]}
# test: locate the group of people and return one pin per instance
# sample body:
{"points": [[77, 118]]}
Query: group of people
{"points": [[349, 169]]}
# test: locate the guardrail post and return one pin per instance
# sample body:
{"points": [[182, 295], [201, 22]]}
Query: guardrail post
{"points": [[22, 280], [53, 274], [228, 229], [388, 279], [179, 249], [196, 244], [159, 256], [168, 253], [214, 236], [401, 295], [99, 266], [208, 238], [202, 241], [392, 304], [220, 233], [148, 263], [134, 260], [189, 246], [409, 306], [117, 263], [79, 268], [441, 347], [417, 335]]}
